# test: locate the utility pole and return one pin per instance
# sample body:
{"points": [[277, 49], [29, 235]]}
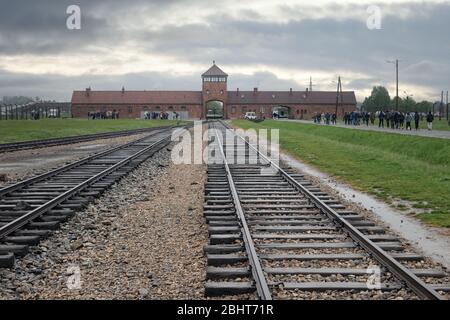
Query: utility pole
{"points": [[338, 94], [446, 102], [310, 84], [396, 68], [396, 77], [441, 105]]}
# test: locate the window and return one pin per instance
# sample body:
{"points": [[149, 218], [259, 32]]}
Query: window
{"points": [[183, 107], [158, 108], [130, 109], [171, 108], [233, 109], [221, 91]]}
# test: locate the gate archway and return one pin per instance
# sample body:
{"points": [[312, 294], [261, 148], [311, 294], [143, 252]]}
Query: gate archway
{"points": [[281, 112], [214, 109]]}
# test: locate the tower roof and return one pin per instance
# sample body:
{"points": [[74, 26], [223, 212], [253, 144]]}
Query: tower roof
{"points": [[214, 71]]}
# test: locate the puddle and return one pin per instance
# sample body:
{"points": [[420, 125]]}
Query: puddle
{"points": [[92, 146], [428, 240]]}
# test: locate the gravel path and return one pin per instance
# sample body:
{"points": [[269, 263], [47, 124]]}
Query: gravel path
{"points": [[142, 240], [18, 165]]}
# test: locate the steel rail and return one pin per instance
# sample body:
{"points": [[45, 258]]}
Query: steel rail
{"points": [[25, 145], [412, 281], [262, 287], [23, 220], [8, 189]]}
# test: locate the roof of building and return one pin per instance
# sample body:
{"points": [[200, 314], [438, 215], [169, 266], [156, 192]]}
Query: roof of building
{"points": [[286, 97], [214, 71], [137, 97]]}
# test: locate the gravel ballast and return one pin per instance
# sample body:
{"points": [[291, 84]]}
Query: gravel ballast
{"points": [[143, 239], [21, 164]]}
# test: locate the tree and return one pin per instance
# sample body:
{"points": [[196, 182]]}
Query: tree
{"points": [[378, 100], [425, 106], [407, 105]]}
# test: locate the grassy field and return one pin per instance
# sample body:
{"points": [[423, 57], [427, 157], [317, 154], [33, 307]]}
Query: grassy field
{"points": [[27, 130], [390, 166]]}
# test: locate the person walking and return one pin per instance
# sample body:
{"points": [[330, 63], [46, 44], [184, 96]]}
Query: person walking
{"points": [[416, 120], [430, 119], [381, 119], [372, 118], [408, 119]]}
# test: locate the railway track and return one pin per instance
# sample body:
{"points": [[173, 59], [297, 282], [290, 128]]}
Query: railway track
{"points": [[31, 209], [26, 145], [277, 236]]}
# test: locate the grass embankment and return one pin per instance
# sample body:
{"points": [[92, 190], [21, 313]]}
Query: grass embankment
{"points": [[28, 130], [390, 166]]}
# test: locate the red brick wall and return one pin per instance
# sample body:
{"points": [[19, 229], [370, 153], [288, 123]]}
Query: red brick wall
{"points": [[296, 111], [81, 111], [197, 111]]}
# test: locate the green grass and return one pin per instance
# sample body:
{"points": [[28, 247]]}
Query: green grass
{"points": [[410, 168], [27, 130]]}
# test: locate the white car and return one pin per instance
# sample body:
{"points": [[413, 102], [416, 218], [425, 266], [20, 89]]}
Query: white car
{"points": [[250, 116]]}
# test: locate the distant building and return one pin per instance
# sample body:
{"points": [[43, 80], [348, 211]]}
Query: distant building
{"points": [[214, 101]]}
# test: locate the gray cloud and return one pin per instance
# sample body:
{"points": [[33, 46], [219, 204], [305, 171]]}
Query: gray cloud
{"points": [[56, 86], [324, 44]]}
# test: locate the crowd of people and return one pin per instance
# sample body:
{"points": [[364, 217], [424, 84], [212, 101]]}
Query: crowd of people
{"points": [[95, 115], [325, 118], [389, 119], [148, 115], [400, 120]]}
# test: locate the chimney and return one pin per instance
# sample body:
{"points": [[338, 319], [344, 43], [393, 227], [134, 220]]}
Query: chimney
{"points": [[255, 91], [88, 91], [290, 92], [237, 92], [123, 90]]}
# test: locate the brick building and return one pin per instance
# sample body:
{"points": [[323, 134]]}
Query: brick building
{"points": [[215, 100]]}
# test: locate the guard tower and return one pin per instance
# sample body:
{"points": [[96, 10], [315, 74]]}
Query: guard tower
{"points": [[214, 93]]}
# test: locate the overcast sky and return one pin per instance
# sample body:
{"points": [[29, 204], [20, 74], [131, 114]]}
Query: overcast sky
{"points": [[167, 44]]}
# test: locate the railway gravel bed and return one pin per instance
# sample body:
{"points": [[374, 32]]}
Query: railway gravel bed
{"points": [[143, 239], [17, 165]]}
